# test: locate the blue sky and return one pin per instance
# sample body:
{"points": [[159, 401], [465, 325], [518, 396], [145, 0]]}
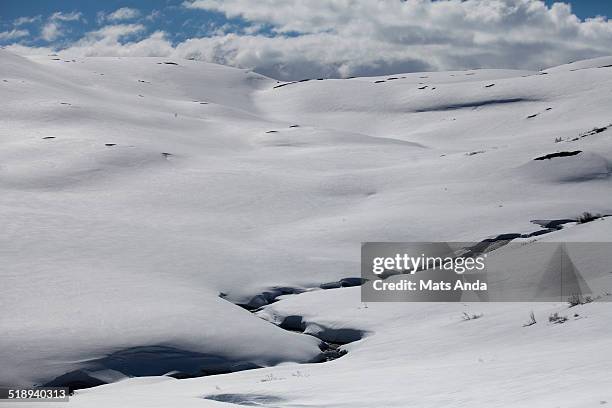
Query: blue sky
{"points": [[331, 38], [589, 8], [178, 22]]}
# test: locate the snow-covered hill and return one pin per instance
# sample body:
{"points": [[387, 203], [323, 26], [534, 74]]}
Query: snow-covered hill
{"points": [[136, 191]]}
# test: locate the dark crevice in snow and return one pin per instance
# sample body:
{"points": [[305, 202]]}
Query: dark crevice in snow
{"points": [[75, 380], [296, 82], [272, 294], [498, 241], [503, 239], [592, 132], [558, 154], [553, 225], [265, 298], [536, 114], [281, 85], [163, 360], [548, 226], [332, 352], [343, 283], [337, 337], [491, 244], [158, 360], [147, 361], [331, 338]]}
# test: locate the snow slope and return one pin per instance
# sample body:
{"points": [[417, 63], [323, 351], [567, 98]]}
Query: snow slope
{"points": [[135, 190]]}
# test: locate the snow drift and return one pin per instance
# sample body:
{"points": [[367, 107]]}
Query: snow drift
{"points": [[141, 197]]}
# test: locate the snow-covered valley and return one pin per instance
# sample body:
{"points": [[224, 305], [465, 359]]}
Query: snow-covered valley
{"points": [[144, 199]]}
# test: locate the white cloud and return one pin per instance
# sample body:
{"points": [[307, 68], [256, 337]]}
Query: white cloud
{"points": [[347, 37], [60, 16], [54, 27], [113, 32], [25, 20], [13, 34], [51, 31], [124, 13], [327, 38], [114, 40]]}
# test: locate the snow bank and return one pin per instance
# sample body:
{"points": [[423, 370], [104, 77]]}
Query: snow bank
{"points": [[135, 192]]}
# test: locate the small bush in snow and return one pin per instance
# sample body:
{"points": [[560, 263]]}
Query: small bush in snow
{"points": [[270, 377], [587, 217], [555, 318], [467, 317], [532, 320], [574, 300]]}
